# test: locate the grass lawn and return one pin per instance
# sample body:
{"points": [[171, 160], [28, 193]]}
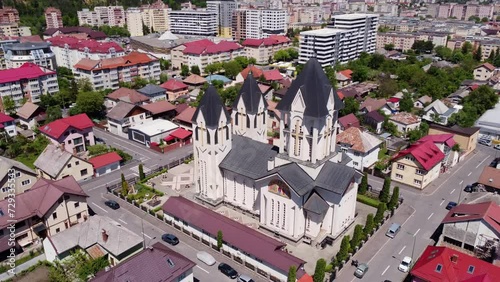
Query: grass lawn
{"points": [[40, 274], [27, 159]]}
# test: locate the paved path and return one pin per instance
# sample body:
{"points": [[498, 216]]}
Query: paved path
{"points": [[19, 268]]}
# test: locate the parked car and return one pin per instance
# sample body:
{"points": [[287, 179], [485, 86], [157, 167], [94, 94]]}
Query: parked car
{"points": [[227, 270], [393, 230], [497, 146], [170, 238], [112, 204], [245, 278], [361, 270], [205, 258], [405, 264], [99, 141], [485, 141], [451, 205], [468, 188]]}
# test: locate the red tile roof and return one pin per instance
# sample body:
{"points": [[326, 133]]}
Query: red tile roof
{"points": [[273, 75], [341, 95], [487, 66], [105, 159], [454, 267], [238, 235], [186, 115], [56, 128], [346, 73], [159, 107], [127, 95], [5, 118], [40, 198], [173, 85], [440, 138], [181, 133], [348, 121], [269, 41], [426, 153], [93, 46], [256, 72], [26, 71], [133, 58], [490, 177], [487, 211], [206, 46], [393, 99]]}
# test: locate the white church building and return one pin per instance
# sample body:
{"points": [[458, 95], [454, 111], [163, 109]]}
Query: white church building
{"points": [[300, 188]]}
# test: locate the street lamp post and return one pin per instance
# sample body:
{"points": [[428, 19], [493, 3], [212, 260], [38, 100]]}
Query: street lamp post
{"points": [[413, 248], [461, 189]]}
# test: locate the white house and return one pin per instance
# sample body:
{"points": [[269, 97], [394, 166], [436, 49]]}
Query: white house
{"points": [[484, 72], [125, 115], [438, 112], [405, 121], [298, 189], [8, 125], [422, 101], [105, 163], [360, 146]]}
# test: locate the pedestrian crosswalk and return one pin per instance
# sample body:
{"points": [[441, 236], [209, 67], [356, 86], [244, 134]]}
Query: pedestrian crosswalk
{"points": [[144, 169]]}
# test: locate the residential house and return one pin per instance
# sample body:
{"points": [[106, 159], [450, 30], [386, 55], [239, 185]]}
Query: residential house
{"points": [[360, 146], [418, 165], [55, 163], [195, 80], [99, 236], [161, 109], [438, 112], [375, 120], [49, 207], [31, 115], [359, 90], [490, 179], [445, 143], [125, 95], [466, 138], [344, 78], [24, 177], [155, 263], [348, 121], [472, 227], [153, 92], [7, 125], [438, 264], [105, 163], [422, 102], [371, 104], [484, 72], [458, 96], [74, 133], [151, 131], [125, 115], [265, 48], [184, 118], [256, 72], [405, 121], [175, 89]]}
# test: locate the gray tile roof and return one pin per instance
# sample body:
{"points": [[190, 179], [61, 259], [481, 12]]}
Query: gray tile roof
{"points": [[6, 164], [120, 111], [336, 177], [52, 160], [251, 95], [211, 107], [316, 204], [315, 88], [152, 90]]}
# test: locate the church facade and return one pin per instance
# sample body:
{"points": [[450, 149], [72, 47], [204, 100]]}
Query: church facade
{"points": [[300, 188]]}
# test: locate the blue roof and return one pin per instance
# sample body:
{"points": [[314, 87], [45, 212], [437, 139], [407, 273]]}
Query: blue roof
{"points": [[222, 78]]}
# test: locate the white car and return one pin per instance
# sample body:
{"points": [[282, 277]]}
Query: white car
{"points": [[404, 266], [497, 146], [206, 258]]}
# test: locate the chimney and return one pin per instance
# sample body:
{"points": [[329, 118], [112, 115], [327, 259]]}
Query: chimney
{"points": [[454, 258], [270, 164], [104, 236]]}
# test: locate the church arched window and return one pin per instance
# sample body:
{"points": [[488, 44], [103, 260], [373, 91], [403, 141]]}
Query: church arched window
{"points": [[279, 187]]}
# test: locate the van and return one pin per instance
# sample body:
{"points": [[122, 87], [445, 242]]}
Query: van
{"points": [[393, 230], [245, 278]]}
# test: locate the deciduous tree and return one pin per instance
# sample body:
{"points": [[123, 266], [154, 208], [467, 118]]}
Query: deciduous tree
{"points": [[184, 70], [195, 70], [351, 106]]}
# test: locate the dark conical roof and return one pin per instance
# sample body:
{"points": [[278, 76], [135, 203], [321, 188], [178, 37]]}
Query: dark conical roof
{"points": [[315, 88], [211, 107], [251, 95]]}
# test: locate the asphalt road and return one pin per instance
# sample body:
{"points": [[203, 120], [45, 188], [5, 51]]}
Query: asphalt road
{"points": [[420, 215]]}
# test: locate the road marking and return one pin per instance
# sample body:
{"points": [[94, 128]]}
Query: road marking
{"points": [[409, 216], [100, 207], [147, 235], [202, 269], [469, 173], [461, 182], [385, 270], [452, 191], [378, 251], [402, 250], [481, 162], [430, 216], [416, 233], [122, 221], [441, 203]]}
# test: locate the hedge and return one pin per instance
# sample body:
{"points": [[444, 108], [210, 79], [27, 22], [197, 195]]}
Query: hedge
{"points": [[367, 200]]}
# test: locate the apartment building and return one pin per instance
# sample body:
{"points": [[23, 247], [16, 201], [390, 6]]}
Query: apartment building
{"points": [[224, 10], [53, 18], [363, 26], [404, 40], [27, 82], [259, 23], [193, 22], [262, 49], [9, 15], [108, 73], [102, 15], [460, 11], [9, 29], [39, 53], [203, 52], [156, 16], [69, 51], [48, 208], [134, 21]]}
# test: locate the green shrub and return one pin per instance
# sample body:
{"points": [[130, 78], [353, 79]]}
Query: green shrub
{"points": [[368, 201]]}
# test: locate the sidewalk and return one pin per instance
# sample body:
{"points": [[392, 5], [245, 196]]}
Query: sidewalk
{"points": [[4, 276]]}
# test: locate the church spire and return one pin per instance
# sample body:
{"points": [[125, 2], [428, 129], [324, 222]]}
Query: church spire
{"points": [[211, 108]]}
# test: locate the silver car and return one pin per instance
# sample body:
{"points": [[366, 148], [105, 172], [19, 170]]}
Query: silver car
{"points": [[361, 270]]}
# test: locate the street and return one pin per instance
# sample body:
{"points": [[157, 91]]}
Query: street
{"points": [[422, 214]]}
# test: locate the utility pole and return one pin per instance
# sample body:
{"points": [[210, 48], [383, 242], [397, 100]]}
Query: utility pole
{"points": [[413, 248]]}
